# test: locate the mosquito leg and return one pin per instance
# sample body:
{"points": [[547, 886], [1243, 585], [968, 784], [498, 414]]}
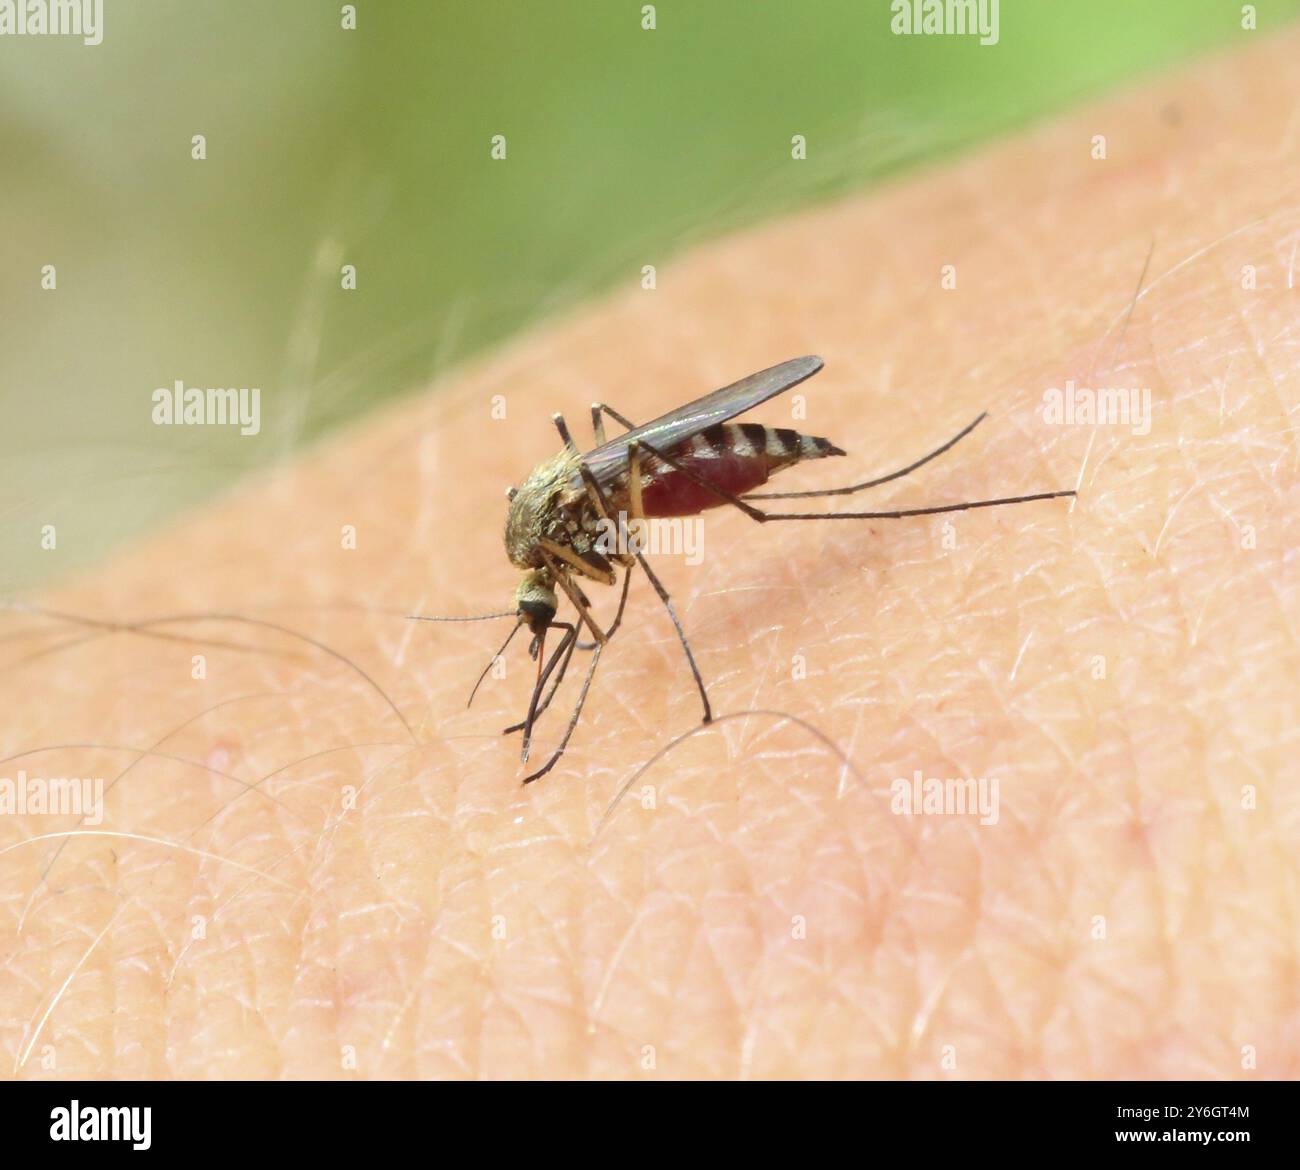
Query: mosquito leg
{"points": [[859, 487], [598, 423], [622, 604], [538, 703], [543, 676], [898, 514], [555, 685], [634, 480], [601, 504], [563, 655], [618, 617], [579, 602], [638, 514], [586, 682], [573, 721], [564, 666], [563, 428], [681, 634], [597, 572]]}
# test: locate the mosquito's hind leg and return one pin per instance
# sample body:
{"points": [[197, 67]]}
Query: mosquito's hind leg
{"points": [[870, 483], [598, 423], [762, 517]]}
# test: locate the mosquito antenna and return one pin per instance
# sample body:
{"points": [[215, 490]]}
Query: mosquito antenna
{"points": [[491, 661], [480, 617]]}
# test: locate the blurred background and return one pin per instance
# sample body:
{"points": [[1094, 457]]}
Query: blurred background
{"points": [[372, 147]]}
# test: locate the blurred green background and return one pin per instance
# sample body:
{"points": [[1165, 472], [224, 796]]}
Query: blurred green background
{"points": [[372, 147]]}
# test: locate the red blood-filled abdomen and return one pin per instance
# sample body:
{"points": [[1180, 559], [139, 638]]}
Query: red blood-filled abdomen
{"points": [[670, 493]]}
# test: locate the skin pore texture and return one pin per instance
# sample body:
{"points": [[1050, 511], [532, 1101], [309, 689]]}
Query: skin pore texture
{"points": [[312, 867]]}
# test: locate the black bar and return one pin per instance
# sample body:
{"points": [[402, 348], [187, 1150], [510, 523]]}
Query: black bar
{"points": [[336, 1120]]}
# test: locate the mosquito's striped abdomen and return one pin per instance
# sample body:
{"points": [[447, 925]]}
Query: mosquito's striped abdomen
{"points": [[780, 446], [734, 457]]}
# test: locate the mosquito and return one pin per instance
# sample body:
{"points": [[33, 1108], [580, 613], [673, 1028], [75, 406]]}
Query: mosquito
{"points": [[689, 460]]}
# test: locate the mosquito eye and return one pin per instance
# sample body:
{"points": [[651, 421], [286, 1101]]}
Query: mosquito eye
{"points": [[537, 610]]}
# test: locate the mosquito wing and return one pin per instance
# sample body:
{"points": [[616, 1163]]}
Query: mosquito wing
{"points": [[608, 461]]}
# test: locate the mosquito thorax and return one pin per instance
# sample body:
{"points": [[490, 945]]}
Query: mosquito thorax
{"points": [[538, 509]]}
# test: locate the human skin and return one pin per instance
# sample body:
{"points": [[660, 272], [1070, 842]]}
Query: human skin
{"points": [[289, 882]]}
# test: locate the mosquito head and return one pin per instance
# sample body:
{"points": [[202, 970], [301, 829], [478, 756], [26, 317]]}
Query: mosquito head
{"points": [[536, 600]]}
